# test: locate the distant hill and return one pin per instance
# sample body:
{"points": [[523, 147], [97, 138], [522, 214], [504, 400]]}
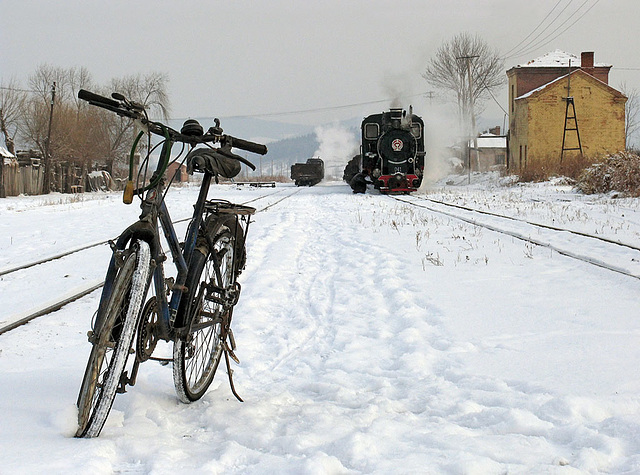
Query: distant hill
{"points": [[284, 153], [294, 149]]}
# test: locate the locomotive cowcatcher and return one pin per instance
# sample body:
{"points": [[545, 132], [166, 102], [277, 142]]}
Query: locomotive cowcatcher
{"points": [[392, 151]]}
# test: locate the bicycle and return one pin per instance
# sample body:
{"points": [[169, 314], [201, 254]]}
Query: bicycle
{"points": [[197, 315]]}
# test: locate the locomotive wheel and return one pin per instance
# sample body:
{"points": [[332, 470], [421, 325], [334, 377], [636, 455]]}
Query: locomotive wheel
{"points": [[352, 168]]}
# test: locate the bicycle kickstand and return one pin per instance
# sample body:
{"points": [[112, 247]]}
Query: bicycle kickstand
{"points": [[229, 352]]}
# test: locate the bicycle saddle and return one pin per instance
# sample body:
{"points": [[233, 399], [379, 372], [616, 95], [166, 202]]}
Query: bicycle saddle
{"points": [[215, 161]]}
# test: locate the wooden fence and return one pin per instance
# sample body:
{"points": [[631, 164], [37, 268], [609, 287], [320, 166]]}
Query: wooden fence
{"points": [[22, 180]]}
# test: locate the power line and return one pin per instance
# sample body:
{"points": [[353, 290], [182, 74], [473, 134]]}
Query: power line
{"points": [[534, 30], [306, 111], [546, 28], [17, 90], [539, 45], [322, 109], [532, 45]]}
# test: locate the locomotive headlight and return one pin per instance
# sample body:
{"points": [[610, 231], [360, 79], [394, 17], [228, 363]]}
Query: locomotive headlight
{"points": [[376, 172]]}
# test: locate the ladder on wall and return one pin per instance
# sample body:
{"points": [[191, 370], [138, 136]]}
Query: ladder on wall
{"points": [[570, 121], [570, 125]]}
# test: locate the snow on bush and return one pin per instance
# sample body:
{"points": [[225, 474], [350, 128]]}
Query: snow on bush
{"points": [[618, 172]]}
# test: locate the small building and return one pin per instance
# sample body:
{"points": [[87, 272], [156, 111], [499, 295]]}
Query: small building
{"points": [[488, 151], [559, 104], [177, 172]]}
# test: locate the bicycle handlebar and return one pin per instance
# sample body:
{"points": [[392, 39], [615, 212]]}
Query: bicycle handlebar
{"points": [[132, 110], [246, 145], [97, 98]]}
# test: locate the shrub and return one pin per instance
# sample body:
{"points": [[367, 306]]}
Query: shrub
{"points": [[618, 172]]}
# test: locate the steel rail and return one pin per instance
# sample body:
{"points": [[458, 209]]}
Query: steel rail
{"points": [[60, 255], [564, 252], [20, 320], [533, 223]]}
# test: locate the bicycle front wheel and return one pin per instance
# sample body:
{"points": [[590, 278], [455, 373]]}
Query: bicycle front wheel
{"points": [[196, 356], [112, 341]]}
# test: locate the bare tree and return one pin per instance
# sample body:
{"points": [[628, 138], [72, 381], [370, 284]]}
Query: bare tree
{"points": [[149, 90], [631, 113], [12, 99], [68, 131], [467, 67]]}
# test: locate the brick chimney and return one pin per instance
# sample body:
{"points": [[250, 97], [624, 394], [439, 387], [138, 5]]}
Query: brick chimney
{"points": [[586, 62]]}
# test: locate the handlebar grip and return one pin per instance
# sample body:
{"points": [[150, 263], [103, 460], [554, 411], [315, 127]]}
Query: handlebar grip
{"points": [[247, 145], [93, 97]]}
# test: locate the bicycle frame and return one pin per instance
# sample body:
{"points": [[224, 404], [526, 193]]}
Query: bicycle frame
{"points": [[154, 209]]}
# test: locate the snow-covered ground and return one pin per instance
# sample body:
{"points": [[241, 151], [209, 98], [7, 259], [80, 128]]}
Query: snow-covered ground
{"points": [[374, 337]]}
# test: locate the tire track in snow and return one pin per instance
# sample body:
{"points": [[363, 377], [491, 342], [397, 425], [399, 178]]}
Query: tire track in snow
{"points": [[352, 342]]}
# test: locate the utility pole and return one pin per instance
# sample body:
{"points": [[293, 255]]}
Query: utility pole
{"points": [[429, 94], [46, 182], [472, 132]]}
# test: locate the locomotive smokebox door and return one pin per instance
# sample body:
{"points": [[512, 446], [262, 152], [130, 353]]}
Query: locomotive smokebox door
{"points": [[399, 147]]}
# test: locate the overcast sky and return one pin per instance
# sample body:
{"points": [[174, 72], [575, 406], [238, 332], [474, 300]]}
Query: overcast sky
{"points": [[227, 58]]}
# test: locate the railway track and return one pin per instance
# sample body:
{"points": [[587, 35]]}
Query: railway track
{"points": [[521, 229], [17, 320], [561, 240]]}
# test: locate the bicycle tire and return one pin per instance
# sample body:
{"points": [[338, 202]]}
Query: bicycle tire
{"points": [[113, 341], [196, 355]]}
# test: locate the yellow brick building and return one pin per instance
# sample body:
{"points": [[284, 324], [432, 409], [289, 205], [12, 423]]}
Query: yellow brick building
{"points": [[537, 117]]}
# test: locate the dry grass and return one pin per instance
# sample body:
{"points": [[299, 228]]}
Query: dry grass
{"points": [[618, 172], [570, 167]]}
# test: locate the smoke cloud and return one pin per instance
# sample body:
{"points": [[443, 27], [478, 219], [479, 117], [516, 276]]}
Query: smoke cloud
{"points": [[441, 128], [338, 145], [441, 133]]}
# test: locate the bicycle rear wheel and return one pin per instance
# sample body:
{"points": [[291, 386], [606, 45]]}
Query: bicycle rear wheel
{"points": [[112, 341], [196, 356]]}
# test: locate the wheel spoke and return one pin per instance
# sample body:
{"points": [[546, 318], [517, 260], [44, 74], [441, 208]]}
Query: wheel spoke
{"points": [[111, 348], [197, 356]]}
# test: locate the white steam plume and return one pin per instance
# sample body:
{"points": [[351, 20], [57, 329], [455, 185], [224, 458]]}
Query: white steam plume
{"points": [[338, 145], [440, 134]]}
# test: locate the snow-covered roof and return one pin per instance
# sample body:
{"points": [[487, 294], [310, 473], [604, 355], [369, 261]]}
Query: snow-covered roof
{"points": [[490, 141], [5, 153], [533, 91], [557, 58]]}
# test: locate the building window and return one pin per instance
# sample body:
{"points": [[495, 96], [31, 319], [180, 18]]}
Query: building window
{"points": [[513, 97], [520, 157]]}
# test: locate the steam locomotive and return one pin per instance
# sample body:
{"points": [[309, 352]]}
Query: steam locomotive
{"points": [[392, 152], [309, 173]]}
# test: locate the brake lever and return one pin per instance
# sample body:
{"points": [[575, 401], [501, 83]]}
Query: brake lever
{"points": [[226, 151], [132, 105]]}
